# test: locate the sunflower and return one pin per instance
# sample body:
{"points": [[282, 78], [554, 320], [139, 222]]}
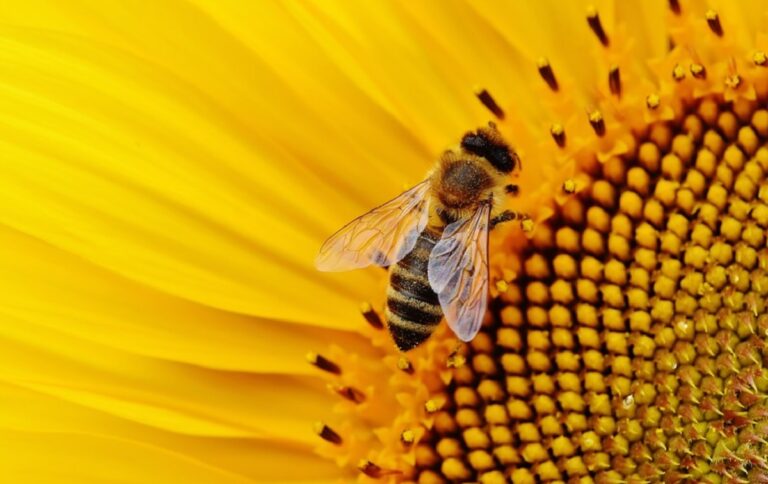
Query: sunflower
{"points": [[170, 169]]}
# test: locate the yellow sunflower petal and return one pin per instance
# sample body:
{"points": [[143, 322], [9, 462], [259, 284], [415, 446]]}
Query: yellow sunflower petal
{"points": [[199, 401], [27, 414], [192, 187], [55, 290], [84, 458]]}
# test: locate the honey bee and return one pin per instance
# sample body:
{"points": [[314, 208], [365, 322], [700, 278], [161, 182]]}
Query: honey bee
{"points": [[434, 239]]}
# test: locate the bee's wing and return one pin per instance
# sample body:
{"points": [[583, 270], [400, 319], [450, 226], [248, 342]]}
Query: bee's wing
{"points": [[458, 272], [382, 236]]}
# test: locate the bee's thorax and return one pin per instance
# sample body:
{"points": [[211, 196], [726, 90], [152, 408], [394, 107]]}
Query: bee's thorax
{"points": [[461, 182]]}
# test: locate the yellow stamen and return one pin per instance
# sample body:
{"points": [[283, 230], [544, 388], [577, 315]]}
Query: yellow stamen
{"points": [[614, 81], [370, 315], [652, 101], [403, 364], [527, 225], [350, 393], [489, 102], [374, 471], [558, 134], [698, 71], [431, 406], [327, 433], [733, 81], [546, 72], [713, 20], [456, 361], [323, 363], [596, 120], [678, 73], [593, 19], [502, 286]]}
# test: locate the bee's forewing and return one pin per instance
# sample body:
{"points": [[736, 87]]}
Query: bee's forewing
{"points": [[458, 273], [382, 236]]}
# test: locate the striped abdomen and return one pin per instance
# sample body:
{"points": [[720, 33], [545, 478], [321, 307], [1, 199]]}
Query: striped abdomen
{"points": [[413, 310]]}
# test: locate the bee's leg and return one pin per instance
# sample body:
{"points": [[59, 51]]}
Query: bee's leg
{"points": [[504, 216], [512, 189]]}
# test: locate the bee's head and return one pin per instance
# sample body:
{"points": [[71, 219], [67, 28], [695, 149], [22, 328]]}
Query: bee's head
{"points": [[461, 181], [488, 143]]}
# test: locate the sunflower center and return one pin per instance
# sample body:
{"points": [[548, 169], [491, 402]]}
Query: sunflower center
{"points": [[632, 348]]}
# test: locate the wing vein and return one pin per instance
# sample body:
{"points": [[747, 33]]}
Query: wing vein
{"points": [[382, 236], [458, 272]]}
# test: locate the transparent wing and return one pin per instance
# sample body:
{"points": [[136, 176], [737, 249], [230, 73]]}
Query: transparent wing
{"points": [[382, 236], [458, 273]]}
